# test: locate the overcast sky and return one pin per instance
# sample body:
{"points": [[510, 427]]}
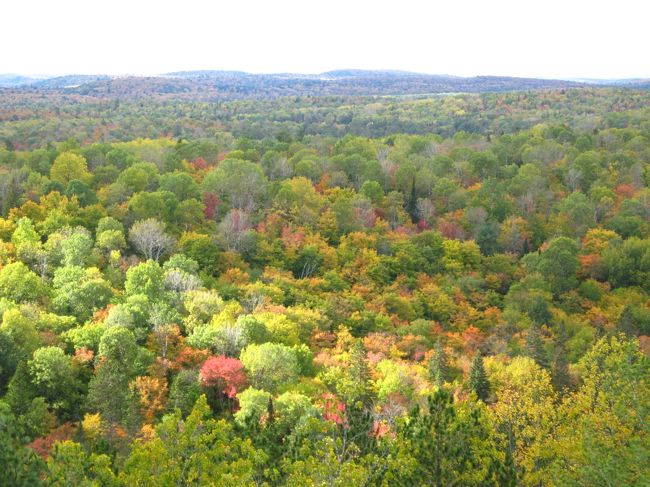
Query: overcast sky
{"points": [[550, 38]]}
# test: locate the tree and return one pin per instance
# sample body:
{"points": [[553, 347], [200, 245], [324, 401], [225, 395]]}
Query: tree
{"points": [[534, 347], [20, 284], [68, 167], [292, 409], [628, 263], [235, 229], [354, 385], [185, 390], [478, 381], [76, 245], [21, 331], [437, 367], [9, 355], [20, 465], [525, 414], [241, 182], [84, 193], [224, 375], [253, 404], [559, 263], [160, 205], [152, 392], [69, 464], [181, 184], [194, 451], [109, 391], [270, 365], [53, 378], [79, 292], [603, 434], [146, 278], [453, 445], [149, 238]]}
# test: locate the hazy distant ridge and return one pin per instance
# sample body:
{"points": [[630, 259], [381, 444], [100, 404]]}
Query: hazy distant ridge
{"points": [[216, 85]]}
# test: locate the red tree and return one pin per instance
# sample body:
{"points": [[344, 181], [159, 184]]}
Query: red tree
{"points": [[224, 373]]}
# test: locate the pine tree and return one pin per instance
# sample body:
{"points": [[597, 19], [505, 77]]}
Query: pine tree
{"points": [[356, 387], [438, 367], [478, 380], [560, 367], [411, 204], [534, 347]]}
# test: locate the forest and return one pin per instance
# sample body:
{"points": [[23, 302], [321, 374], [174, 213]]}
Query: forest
{"points": [[331, 290]]}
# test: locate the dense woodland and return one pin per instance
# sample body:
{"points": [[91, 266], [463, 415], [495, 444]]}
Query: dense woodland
{"points": [[337, 291]]}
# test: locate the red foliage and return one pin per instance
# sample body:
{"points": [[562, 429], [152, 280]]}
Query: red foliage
{"points": [[292, 238], [625, 190], [334, 410], [199, 163], [43, 446], [210, 202], [379, 429], [451, 230], [225, 373]]}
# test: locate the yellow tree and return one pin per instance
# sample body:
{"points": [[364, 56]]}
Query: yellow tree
{"points": [[69, 166], [524, 412]]}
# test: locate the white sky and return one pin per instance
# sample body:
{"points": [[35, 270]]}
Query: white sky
{"points": [[549, 38]]}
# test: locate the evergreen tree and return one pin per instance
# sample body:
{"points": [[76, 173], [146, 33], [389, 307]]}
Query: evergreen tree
{"points": [[20, 466], [452, 444], [560, 367], [355, 389], [438, 367], [478, 380], [412, 203], [534, 347]]}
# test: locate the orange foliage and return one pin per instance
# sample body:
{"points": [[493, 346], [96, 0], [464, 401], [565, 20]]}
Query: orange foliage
{"points": [[153, 396], [190, 358]]}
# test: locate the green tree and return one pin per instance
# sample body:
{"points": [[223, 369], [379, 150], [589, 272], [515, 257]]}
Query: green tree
{"points": [[53, 378], [69, 464], [270, 365], [79, 292], [109, 391], [146, 279], [20, 284], [68, 167], [20, 465], [242, 183], [194, 451], [559, 263], [534, 347], [253, 404], [478, 381], [453, 445], [438, 367]]}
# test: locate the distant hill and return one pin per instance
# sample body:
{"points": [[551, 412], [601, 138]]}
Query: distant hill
{"points": [[208, 85], [13, 80], [69, 81]]}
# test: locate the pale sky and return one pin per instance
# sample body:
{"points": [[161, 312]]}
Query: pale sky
{"points": [[549, 38]]}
